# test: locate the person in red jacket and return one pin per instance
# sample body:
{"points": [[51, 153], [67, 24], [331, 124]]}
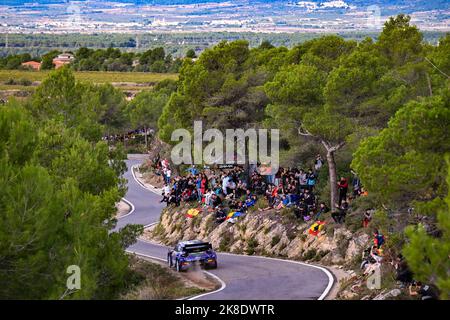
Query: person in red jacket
{"points": [[342, 188]]}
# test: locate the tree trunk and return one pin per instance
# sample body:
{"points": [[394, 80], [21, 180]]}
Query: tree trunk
{"points": [[332, 175], [333, 179]]}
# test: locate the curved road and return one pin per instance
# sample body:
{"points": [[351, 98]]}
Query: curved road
{"points": [[242, 277]]}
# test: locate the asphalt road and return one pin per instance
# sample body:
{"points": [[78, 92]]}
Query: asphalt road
{"points": [[243, 277]]}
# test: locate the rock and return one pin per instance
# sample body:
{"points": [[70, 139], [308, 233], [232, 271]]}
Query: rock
{"points": [[395, 292], [385, 296], [355, 246], [351, 273], [347, 294]]}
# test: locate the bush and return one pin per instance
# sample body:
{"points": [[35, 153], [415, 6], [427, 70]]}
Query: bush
{"points": [[210, 223], [288, 215], [353, 221], [25, 82], [251, 246], [225, 242], [321, 254], [261, 203], [310, 254], [275, 240], [365, 203]]}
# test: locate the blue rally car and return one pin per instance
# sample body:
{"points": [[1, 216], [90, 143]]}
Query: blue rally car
{"points": [[190, 253]]}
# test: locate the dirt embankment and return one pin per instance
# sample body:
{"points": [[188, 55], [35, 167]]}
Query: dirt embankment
{"points": [[154, 281], [123, 208]]}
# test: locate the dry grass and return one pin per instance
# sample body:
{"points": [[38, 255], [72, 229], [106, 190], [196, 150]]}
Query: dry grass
{"points": [[155, 282], [94, 76]]}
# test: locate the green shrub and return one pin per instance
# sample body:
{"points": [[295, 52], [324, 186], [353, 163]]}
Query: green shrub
{"points": [[251, 246], [288, 215], [261, 203], [25, 82], [159, 230], [353, 221], [209, 225], [365, 203], [275, 240], [310, 254], [225, 242], [321, 254]]}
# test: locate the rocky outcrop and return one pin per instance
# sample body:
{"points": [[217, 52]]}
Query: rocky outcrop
{"points": [[263, 233]]}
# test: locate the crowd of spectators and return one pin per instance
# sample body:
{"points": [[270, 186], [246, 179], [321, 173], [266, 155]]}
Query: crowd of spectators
{"points": [[235, 189]]}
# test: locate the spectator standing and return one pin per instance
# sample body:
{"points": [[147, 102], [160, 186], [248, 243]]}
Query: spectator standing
{"points": [[311, 180], [367, 218], [168, 174], [356, 183], [318, 163], [343, 188], [303, 179]]}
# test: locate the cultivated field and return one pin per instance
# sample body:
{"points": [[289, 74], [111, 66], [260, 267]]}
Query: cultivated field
{"points": [[94, 76]]}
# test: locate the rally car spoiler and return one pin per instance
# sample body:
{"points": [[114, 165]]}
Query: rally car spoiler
{"points": [[197, 247]]}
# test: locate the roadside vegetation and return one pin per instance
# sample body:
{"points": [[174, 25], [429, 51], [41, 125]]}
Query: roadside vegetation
{"points": [[151, 281]]}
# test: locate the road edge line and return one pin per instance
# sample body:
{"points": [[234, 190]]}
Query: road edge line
{"points": [[154, 190], [131, 210]]}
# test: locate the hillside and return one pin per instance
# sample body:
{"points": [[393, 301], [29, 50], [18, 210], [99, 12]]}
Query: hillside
{"points": [[280, 235]]}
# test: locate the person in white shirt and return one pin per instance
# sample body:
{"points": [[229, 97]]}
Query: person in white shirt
{"points": [[208, 195], [168, 173], [225, 184], [166, 189]]}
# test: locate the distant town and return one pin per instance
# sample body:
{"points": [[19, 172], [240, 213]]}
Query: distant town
{"points": [[97, 16]]}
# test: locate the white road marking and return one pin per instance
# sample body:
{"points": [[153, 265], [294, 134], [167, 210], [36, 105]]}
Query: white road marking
{"points": [[131, 211]]}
